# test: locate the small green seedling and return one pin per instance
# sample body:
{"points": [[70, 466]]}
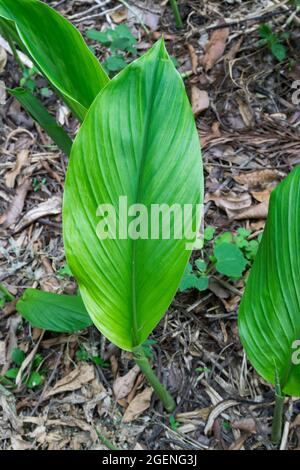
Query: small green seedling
{"points": [[35, 377], [28, 78], [274, 41], [83, 355], [37, 184], [120, 42], [173, 423], [5, 296], [65, 271], [269, 318]]}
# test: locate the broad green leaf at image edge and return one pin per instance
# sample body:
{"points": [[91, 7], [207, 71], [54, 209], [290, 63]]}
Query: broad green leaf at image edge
{"points": [[269, 314]]}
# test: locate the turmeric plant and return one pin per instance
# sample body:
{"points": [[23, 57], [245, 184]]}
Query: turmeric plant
{"points": [[269, 315]]}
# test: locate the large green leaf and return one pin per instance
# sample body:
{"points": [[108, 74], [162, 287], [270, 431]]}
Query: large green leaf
{"points": [[53, 312], [59, 51], [38, 111], [139, 140], [269, 315]]}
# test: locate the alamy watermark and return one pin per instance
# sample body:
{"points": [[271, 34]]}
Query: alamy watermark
{"points": [[296, 94], [154, 222], [296, 353]]}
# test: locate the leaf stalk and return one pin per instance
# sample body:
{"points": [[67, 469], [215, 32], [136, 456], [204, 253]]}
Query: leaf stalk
{"points": [[160, 390], [277, 419], [176, 14]]}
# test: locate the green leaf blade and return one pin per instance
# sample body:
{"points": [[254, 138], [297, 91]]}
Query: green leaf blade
{"points": [[269, 315], [53, 312], [59, 51], [40, 114], [141, 140]]}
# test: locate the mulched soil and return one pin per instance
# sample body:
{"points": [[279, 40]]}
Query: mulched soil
{"points": [[251, 125]]}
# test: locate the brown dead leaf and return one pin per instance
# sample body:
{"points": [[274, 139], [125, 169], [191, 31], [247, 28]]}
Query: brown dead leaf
{"points": [[260, 211], [8, 407], [240, 441], [2, 353], [246, 424], [13, 212], [144, 16], [215, 48], [296, 422], [200, 100], [261, 196], [10, 176], [138, 405], [2, 93], [83, 374], [18, 443], [194, 58], [202, 413], [234, 49], [123, 385], [50, 207], [119, 15], [245, 112], [114, 365], [231, 203], [217, 289], [259, 178], [3, 59]]}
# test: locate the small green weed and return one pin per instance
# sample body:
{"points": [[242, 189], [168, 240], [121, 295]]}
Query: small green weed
{"points": [[228, 254], [120, 42], [274, 41], [83, 355], [35, 377]]}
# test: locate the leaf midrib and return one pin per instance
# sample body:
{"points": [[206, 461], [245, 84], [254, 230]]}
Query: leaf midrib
{"points": [[137, 199]]}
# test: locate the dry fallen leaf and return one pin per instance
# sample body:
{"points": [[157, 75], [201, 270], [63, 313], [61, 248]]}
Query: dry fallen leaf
{"points": [[217, 289], [246, 424], [260, 211], [240, 441], [2, 93], [50, 207], [215, 48], [200, 100], [119, 15], [233, 204], [3, 59], [13, 212], [245, 112], [83, 374], [144, 16], [259, 178], [10, 176], [138, 405], [261, 196], [18, 443], [123, 385], [217, 411], [234, 49], [194, 58], [2, 353], [201, 413], [8, 408]]}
